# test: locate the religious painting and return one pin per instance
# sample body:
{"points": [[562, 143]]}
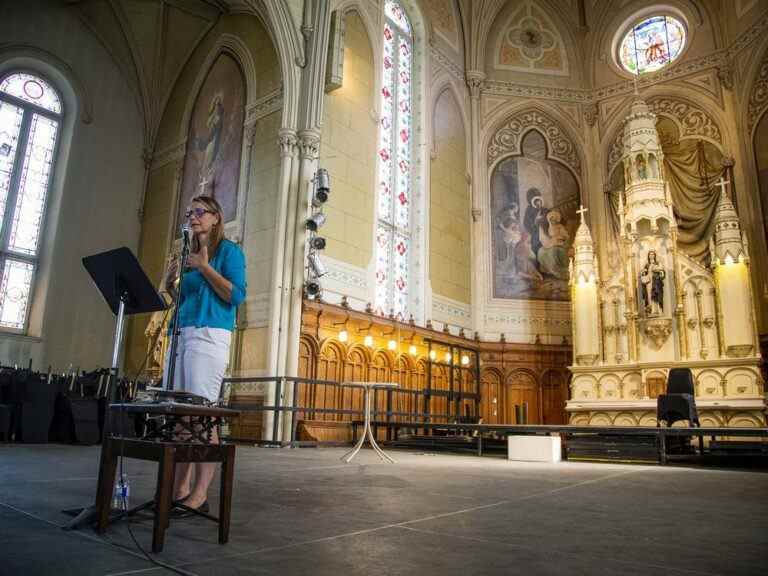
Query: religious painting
{"points": [[214, 141], [533, 207]]}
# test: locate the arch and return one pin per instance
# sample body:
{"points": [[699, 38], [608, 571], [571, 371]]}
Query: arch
{"points": [[72, 89], [230, 45], [696, 116], [414, 295], [611, 23], [741, 381], [371, 29], [600, 419], [445, 84], [289, 46], [745, 420], [708, 383], [625, 419], [552, 25], [647, 419], [509, 124], [75, 103]]}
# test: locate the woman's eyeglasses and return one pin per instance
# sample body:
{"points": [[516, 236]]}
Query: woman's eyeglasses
{"points": [[197, 212]]}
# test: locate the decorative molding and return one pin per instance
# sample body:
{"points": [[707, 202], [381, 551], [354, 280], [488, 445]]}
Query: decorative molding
{"points": [[530, 43], [444, 61], [264, 106], [506, 140], [590, 114], [344, 279], [515, 89], [527, 320], [448, 310], [169, 154], [758, 97], [745, 39]]}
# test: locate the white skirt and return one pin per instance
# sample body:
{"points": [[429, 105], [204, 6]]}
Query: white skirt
{"points": [[201, 360]]}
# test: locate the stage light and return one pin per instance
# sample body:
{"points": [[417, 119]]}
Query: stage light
{"points": [[313, 288], [315, 221], [448, 357], [322, 188], [412, 350], [318, 268], [392, 345], [343, 336], [368, 341], [317, 242], [464, 360], [432, 354]]}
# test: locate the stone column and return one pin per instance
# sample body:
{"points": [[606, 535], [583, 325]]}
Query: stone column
{"points": [[475, 80]]}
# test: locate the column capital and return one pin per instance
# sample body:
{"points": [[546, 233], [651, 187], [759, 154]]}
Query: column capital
{"points": [[309, 144], [287, 141], [475, 80]]}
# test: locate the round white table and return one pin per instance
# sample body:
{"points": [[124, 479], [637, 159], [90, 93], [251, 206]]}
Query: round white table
{"points": [[367, 431]]}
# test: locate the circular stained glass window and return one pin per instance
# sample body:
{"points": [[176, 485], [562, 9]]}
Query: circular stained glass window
{"points": [[652, 44]]}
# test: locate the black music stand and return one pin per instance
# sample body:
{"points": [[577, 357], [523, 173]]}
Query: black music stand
{"points": [[127, 290]]}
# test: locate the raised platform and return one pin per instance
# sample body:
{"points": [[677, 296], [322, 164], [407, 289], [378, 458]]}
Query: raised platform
{"points": [[304, 512]]}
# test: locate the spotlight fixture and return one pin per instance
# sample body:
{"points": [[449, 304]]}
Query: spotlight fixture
{"points": [[448, 357], [432, 354], [322, 188], [412, 350], [392, 345], [315, 221], [343, 336], [312, 288], [317, 243], [318, 268], [368, 341], [464, 360]]}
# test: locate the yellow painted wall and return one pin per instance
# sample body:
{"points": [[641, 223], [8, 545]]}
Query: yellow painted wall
{"points": [[347, 151], [160, 200], [449, 269]]}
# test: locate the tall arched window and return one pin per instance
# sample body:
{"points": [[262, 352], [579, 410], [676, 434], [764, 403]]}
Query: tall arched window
{"points": [[30, 116], [393, 207]]}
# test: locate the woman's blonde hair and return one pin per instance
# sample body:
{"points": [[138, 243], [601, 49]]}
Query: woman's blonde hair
{"points": [[217, 232]]}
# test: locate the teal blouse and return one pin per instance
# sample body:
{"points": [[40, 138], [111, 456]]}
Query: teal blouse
{"points": [[200, 305]]}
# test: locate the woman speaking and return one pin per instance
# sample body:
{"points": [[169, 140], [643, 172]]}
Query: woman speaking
{"points": [[211, 289]]}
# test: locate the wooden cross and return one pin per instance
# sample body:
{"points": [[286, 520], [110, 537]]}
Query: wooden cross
{"points": [[722, 183], [581, 211], [203, 183]]}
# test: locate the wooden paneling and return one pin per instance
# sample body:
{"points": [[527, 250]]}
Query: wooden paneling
{"points": [[532, 375]]}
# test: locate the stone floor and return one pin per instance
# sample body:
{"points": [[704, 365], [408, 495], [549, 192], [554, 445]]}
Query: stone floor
{"points": [[303, 511]]}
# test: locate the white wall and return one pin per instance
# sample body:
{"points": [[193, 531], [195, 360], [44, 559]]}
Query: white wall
{"points": [[95, 198]]}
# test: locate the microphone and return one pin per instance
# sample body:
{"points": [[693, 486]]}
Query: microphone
{"points": [[185, 233]]}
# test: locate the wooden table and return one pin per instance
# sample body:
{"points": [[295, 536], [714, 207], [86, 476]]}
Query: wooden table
{"points": [[162, 446]]}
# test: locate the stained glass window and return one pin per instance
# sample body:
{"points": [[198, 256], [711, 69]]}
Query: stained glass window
{"points": [[30, 117], [652, 44], [393, 214]]}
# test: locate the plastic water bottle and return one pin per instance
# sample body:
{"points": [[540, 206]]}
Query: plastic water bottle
{"points": [[121, 494]]}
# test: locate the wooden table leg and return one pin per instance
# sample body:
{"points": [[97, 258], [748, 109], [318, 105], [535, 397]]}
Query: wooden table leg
{"points": [[225, 496], [106, 485], [165, 474]]}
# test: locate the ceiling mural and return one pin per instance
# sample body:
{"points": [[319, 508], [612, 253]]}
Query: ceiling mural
{"points": [[444, 20], [530, 42]]}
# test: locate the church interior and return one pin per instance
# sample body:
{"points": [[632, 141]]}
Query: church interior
{"points": [[504, 213]]}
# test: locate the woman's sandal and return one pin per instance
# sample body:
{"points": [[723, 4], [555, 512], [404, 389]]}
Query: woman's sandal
{"points": [[179, 512]]}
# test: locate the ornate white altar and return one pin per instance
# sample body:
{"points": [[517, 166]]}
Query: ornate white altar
{"points": [[662, 309]]}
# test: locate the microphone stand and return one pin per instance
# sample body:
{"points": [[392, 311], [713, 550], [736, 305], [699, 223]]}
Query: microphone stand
{"points": [[176, 331]]}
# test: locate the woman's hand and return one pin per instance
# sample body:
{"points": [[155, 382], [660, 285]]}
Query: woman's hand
{"points": [[198, 260], [171, 274]]}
